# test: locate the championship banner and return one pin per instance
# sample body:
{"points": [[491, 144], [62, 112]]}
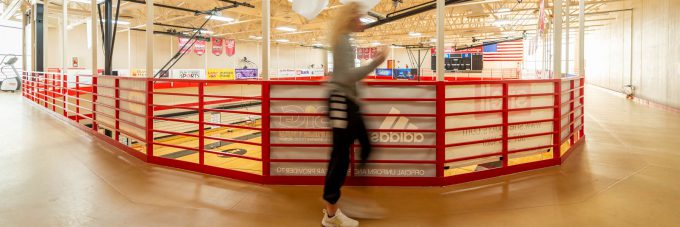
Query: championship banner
{"points": [[217, 46], [230, 48], [246, 74], [181, 41], [199, 47], [221, 74]]}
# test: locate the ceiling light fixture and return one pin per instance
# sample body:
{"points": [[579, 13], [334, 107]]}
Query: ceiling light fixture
{"points": [[220, 18], [255, 37], [415, 34], [282, 40], [286, 29]]}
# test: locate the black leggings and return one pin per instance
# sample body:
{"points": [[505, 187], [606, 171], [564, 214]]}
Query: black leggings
{"points": [[348, 125]]}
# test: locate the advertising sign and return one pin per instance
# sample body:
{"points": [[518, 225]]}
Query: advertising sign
{"points": [[405, 74], [317, 72], [286, 73], [383, 72], [246, 74], [199, 47], [187, 74], [221, 74], [181, 42], [230, 48], [217, 46]]}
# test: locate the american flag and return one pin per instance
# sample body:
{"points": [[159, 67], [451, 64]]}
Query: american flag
{"points": [[505, 51]]}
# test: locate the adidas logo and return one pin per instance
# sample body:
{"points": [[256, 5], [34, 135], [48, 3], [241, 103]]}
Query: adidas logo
{"points": [[392, 122]]}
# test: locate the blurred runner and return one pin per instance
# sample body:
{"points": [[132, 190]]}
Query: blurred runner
{"points": [[344, 110]]}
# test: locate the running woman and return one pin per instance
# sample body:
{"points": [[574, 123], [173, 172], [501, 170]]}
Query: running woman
{"points": [[344, 110]]}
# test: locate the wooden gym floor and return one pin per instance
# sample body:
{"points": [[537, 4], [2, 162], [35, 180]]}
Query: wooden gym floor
{"points": [[53, 174]]}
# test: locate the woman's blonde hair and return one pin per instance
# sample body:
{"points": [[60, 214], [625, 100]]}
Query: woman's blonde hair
{"points": [[343, 22]]}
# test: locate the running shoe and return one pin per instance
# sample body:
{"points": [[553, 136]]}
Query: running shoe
{"points": [[339, 220]]}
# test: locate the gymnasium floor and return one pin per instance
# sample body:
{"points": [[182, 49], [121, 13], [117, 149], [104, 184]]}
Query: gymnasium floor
{"points": [[55, 175]]}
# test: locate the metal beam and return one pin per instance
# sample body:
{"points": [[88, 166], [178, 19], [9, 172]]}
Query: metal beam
{"points": [[11, 9], [407, 12]]}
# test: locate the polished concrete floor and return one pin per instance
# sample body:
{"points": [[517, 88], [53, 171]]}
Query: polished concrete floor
{"points": [[52, 174]]}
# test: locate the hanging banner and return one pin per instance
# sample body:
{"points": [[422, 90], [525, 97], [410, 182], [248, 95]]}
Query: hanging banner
{"points": [[199, 47], [181, 42], [221, 74], [246, 74], [217, 46], [230, 48]]}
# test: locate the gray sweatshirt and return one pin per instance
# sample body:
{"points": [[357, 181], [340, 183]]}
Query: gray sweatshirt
{"points": [[345, 76]]}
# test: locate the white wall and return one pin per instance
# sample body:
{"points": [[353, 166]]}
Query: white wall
{"points": [[656, 52]]}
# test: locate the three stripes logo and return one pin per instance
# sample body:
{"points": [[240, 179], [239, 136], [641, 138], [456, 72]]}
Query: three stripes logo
{"points": [[397, 123]]}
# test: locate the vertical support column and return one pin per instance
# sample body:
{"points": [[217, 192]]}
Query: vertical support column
{"points": [[581, 37], [116, 134], [45, 31], [201, 124], [266, 33], [440, 40], [149, 120], [505, 126], [265, 128], [149, 38], [23, 40], [441, 130], [557, 123], [64, 37], [325, 61], [557, 39], [567, 32], [93, 37], [129, 51]]}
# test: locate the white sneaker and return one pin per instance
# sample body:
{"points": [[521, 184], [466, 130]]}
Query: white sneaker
{"points": [[339, 220]]}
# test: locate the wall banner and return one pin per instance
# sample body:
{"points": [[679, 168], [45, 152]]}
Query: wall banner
{"points": [[230, 48], [217, 46], [181, 41], [199, 47], [221, 74], [246, 74]]}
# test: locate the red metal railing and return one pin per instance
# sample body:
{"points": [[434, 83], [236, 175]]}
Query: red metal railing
{"points": [[275, 132]]}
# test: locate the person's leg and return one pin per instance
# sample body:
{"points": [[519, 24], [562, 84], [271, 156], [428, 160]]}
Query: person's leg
{"points": [[364, 139], [339, 160]]}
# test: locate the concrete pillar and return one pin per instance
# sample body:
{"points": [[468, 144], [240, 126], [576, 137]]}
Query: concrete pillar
{"points": [[581, 37], [557, 39], [567, 32], [23, 40], [149, 38], [64, 37], [93, 35], [266, 30], [46, 37], [129, 51], [440, 40]]}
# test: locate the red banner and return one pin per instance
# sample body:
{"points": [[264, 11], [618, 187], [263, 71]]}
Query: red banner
{"points": [[181, 42], [199, 47], [230, 48], [217, 46]]}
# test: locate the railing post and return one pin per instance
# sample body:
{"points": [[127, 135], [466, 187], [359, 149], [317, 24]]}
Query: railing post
{"points": [[117, 113], [571, 112], [441, 130], [64, 87], [149, 120], [77, 99], [557, 123], [505, 125], [201, 124], [266, 85], [53, 92], [95, 91]]}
